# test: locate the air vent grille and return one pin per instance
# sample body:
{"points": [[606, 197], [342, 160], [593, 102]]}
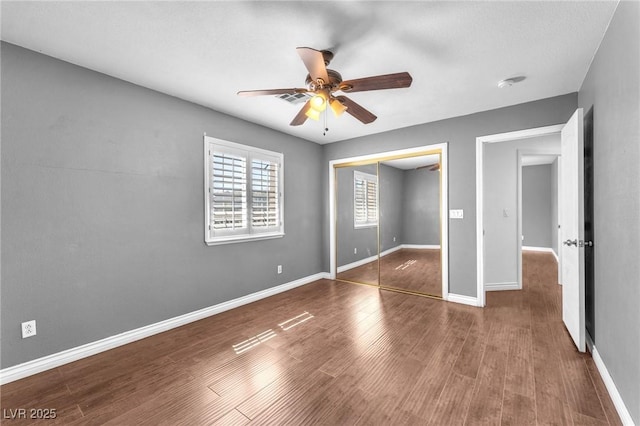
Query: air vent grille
{"points": [[295, 98]]}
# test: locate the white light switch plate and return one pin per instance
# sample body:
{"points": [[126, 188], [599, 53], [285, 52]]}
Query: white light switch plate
{"points": [[456, 214]]}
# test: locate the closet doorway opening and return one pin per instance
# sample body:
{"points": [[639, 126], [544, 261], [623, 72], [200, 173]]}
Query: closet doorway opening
{"points": [[388, 221]]}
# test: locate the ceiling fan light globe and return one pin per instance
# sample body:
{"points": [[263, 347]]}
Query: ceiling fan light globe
{"points": [[337, 107], [318, 103], [313, 114]]}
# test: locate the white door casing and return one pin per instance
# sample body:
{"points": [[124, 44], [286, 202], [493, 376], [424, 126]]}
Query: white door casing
{"points": [[480, 167], [572, 228]]}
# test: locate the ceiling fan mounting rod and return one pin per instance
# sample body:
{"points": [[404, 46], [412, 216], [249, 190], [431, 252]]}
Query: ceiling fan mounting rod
{"points": [[327, 56]]}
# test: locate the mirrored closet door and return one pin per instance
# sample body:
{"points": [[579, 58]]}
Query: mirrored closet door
{"points": [[357, 223], [388, 226], [410, 225]]}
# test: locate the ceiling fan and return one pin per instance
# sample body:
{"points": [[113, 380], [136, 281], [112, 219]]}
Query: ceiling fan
{"points": [[323, 84], [431, 167]]}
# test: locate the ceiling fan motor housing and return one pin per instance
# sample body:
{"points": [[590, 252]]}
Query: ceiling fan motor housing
{"points": [[334, 81]]}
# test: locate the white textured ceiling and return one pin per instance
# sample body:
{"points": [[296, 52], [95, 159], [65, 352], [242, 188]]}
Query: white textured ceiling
{"points": [[206, 51]]}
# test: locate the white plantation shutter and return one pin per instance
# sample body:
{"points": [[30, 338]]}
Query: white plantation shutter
{"points": [[365, 199], [229, 191], [264, 193], [360, 210], [243, 192], [372, 202]]}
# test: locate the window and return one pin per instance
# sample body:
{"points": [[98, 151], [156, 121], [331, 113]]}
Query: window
{"points": [[365, 200], [243, 192]]}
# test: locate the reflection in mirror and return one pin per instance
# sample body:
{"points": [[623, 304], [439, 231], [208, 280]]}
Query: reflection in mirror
{"points": [[410, 224], [357, 223]]}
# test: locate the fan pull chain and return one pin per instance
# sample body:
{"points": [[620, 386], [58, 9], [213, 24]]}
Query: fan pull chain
{"points": [[326, 129]]}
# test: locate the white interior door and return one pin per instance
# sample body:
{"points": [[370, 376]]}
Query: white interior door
{"points": [[572, 228]]}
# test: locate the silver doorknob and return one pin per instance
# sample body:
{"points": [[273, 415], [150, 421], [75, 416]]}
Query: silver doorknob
{"points": [[570, 243]]}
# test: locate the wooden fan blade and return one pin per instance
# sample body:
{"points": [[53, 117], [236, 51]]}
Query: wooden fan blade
{"points": [[270, 92], [301, 117], [314, 61], [356, 110], [430, 167], [379, 82]]}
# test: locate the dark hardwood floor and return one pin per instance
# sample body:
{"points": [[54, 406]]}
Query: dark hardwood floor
{"points": [[415, 270], [335, 353], [363, 274]]}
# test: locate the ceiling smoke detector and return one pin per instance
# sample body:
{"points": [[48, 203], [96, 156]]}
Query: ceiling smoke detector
{"points": [[507, 82]]}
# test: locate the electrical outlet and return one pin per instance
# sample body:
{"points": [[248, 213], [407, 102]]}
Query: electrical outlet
{"points": [[394, 239], [355, 250], [279, 269], [28, 329]]}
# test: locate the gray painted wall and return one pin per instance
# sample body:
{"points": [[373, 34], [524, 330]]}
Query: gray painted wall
{"points": [[612, 88], [103, 208], [365, 240], [421, 207], [537, 195], [460, 133], [500, 193]]}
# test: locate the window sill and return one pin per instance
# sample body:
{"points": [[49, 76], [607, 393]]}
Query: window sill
{"points": [[243, 238], [372, 225]]}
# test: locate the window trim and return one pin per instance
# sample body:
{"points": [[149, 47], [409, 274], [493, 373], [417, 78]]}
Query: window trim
{"points": [[251, 234], [358, 175]]}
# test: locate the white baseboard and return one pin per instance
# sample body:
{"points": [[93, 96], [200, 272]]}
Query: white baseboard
{"points": [[421, 246], [532, 248], [588, 341], [357, 263], [383, 254], [621, 408], [542, 249], [48, 362], [501, 286], [459, 298], [391, 250], [367, 259]]}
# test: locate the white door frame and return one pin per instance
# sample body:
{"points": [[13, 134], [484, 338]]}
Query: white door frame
{"points": [[444, 208], [480, 141]]}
